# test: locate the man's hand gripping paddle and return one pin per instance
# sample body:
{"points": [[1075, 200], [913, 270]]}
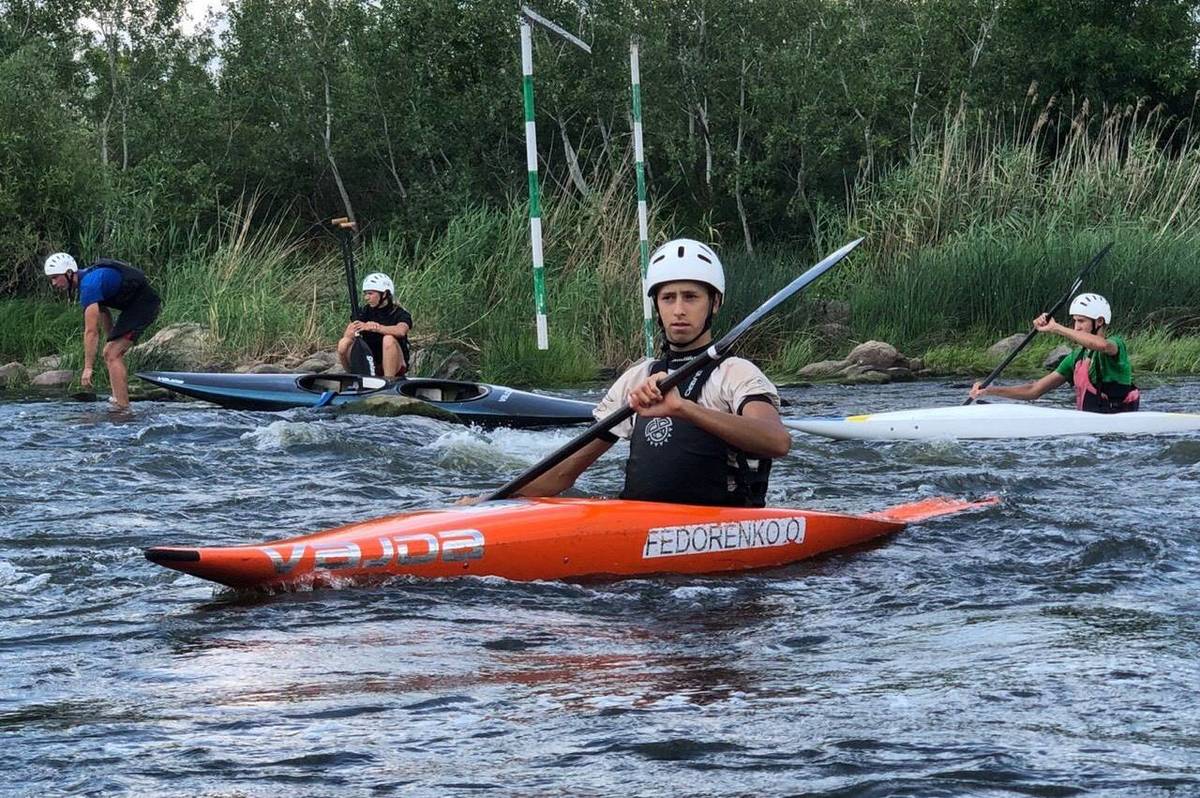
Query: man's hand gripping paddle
{"points": [[715, 352], [362, 362]]}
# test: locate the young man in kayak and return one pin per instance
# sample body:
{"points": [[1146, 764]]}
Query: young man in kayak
{"points": [[383, 324], [1098, 369], [105, 286], [713, 442]]}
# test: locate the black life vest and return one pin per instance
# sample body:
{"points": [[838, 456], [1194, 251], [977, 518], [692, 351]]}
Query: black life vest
{"points": [[133, 283], [672, 460]]}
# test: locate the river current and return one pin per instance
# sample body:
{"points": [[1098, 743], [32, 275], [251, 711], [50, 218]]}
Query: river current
{"points": [[1047, 646]]}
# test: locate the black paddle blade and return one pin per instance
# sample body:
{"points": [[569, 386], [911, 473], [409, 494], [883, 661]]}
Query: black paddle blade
{"points": [[362, 362]]}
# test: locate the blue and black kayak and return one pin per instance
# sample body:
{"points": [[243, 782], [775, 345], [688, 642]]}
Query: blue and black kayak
{"points": [[472, 402]]}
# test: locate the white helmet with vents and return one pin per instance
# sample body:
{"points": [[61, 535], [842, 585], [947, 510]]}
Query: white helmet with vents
{"points": [[1093, 306], [684, 259], [60, 263], [378, 281]]}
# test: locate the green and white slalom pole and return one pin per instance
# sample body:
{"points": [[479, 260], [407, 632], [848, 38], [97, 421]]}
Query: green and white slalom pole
{"points": [[528, 18], [640, 168], [535, 209]]}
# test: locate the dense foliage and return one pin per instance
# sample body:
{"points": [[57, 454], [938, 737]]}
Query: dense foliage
{"points": [[759, 113]]}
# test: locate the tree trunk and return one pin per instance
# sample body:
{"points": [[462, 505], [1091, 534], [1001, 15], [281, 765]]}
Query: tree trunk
{"points": [[327, 139], [391, 154], [572, 160], [737, 160], [702, 112]]}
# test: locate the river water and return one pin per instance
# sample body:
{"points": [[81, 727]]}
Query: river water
{"points": [[1048, 646]]}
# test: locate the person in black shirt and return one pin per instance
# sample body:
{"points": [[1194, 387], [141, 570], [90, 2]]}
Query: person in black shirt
{"points": [[383, 324]]}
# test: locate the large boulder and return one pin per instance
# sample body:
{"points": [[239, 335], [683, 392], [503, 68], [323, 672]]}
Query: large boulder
{"points": [[177, 347], [874, 354], [12, 375], [1055, 357], [870, 363], [319, 362], [1005, 346], [57, 378]]}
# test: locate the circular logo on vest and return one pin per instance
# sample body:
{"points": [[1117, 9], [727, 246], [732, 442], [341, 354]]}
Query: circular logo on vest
{"points": [[658, 431]]}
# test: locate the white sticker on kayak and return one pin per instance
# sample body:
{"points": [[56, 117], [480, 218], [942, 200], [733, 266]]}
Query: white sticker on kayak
{"points": [[759, 533]]}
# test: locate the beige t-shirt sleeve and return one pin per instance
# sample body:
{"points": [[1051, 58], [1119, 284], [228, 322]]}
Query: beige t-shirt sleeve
{"points": [[618, 393], [739, 380]]}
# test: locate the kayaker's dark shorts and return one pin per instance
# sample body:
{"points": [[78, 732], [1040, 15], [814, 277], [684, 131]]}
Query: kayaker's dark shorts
{"points": [[134, 320]]}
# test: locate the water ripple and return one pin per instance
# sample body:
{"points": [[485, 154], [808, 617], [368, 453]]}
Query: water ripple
{"points": [[1047, 646]]}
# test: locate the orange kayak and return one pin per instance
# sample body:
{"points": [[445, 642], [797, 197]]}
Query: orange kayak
{"points": [[530, 539]]}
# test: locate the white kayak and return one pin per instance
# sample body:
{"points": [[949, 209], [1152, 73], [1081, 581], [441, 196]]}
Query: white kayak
{"points": [[1005, 420]]}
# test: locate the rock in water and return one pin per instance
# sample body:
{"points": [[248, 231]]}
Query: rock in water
{"points": [[394, 405]]}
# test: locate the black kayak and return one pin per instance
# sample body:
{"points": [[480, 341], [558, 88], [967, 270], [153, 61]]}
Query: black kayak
{"points": [[472, 402]]}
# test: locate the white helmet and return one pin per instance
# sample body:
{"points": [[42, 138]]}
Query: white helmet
{"points": [[684, 259], [60, 263], [1093, 306], [378, 281]]}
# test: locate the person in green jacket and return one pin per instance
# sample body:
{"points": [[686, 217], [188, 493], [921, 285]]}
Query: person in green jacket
{"points": [[1098, 368]]}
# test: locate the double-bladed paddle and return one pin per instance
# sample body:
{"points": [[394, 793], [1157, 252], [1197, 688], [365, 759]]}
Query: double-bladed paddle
{"points": [[362, 362], [1075, 286], [714, 353]]}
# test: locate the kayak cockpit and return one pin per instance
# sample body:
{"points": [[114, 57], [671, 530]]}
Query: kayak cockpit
{"points": [[340, 383], [443, 392]]}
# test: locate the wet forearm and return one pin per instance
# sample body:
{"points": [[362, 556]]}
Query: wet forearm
{"points": [[91, 343], [763, 437]]}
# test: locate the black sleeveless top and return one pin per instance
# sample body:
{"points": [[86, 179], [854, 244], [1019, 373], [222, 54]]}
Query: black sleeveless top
{"points": [[672, 460]]}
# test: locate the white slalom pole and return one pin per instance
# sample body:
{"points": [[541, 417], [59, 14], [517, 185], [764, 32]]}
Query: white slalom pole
{"points": [[535, 210], [640, 169]]}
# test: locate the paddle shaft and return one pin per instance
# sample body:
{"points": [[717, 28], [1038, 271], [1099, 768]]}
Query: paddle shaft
{"points": [[362, 361], [715, 352], [1075, 286], [346, 233]]}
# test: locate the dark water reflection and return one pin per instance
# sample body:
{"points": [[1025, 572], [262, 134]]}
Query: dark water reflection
{"points": [[1046, 647]]}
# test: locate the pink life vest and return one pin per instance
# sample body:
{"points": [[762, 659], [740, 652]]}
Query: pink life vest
{"points": [[1098, 400]]}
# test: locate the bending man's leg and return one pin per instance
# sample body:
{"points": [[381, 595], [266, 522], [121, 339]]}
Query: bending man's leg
{"points": [[118, 375]]}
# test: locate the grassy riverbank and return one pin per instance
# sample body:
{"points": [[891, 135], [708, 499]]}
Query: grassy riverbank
{"points": [[966, 242]]}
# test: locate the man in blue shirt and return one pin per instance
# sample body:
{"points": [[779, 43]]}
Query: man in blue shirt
{"points": [[104, 286]]}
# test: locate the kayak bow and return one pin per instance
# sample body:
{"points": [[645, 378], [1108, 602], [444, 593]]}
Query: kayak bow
{"points": [[528, 539], [473, 402]]}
